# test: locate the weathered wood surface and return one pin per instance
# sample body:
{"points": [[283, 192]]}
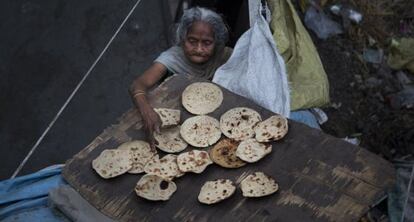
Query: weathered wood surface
{"points": [[321, 178]]}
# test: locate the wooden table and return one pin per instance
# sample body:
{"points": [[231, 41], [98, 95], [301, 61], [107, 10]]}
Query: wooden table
{"points": [[321, 178]]}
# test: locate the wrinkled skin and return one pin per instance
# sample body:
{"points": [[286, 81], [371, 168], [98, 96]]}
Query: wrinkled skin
{"points": [[199, 43]]}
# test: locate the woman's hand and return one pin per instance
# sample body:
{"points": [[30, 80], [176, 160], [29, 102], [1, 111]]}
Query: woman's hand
{"points": [[138, 90], [152, 122]]}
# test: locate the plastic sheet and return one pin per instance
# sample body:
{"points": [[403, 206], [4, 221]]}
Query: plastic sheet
{"points": [[256, 70]]}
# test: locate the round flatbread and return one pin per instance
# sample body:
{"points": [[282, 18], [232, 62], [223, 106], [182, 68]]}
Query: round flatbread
{"points": [[195, 161], [224, 154], [215, 191], [273, 128], [238, 123], [112, 162], [201, 131], [165, 167], [252, 151], [169, 117], [140, 153], [152, 187], [258, 185], [201, 98], [169, 140]]}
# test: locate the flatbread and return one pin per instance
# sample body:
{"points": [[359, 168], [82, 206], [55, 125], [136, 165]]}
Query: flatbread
{"points": [[201, 98], [112, 162], [252, 151], [271, 129], [195, 161], [152, 187], [224, 154], [169, 140], [258, 185], [140, 153], [215, 191], [165, 167], [238, 123], [169, 117], [201, 131]]}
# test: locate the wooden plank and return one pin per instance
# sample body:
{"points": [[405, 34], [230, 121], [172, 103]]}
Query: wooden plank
{"points": [[321, 178]]}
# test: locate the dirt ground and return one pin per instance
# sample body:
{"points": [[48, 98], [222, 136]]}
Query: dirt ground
{"points": [[364, 101]]}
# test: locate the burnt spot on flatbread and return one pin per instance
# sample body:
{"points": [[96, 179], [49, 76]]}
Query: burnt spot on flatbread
{"points": [[195, 126], [278, 137], [245, 117], [162, 114], [164, 185], [225, 151]]}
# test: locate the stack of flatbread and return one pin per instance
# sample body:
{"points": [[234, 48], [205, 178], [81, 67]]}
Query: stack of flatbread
{"points": [[201, 98], [224, 154], [195, 161], [238, 123], [215, 191], [272, 129], [258, 184], [129, 157], [169, 117], [112, 162], [140, 153], [200, 131], [169, 140], [166, 167], [152, 187], [246, 141]]}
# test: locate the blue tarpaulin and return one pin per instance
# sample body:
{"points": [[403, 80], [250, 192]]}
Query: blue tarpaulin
{"points": [[25, 198]]}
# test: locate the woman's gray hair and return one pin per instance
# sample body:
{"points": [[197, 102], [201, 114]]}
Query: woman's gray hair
{"points": [[205, 15]]}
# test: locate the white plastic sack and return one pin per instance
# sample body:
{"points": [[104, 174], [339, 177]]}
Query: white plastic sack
{"points": [[256, 70]]}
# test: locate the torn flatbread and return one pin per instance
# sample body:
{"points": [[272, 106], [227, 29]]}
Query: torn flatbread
{"points": [[201, 131], [169, 117], [215, 191], [112, 162], [271, 129], [195, 161], [201, 98], [252, 151], [166, 167], [224, 154], [169, 140], [238, 123], [258, 185], [140, 153], [152, 187]]}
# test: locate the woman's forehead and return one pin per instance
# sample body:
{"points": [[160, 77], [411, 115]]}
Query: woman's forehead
{"points": [[201, 29]]}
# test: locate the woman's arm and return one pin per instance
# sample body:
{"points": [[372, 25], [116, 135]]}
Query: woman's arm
{"points": [[138, 91]]}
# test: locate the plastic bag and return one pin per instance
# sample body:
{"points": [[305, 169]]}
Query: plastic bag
{"points": [[256, 70], [308, 82], [321, 24]]}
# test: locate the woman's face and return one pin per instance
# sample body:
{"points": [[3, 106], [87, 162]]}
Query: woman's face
{"points": [[199, 43]]}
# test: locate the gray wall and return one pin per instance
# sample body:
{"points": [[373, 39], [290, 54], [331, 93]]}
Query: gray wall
{"points": [[46, 48]]}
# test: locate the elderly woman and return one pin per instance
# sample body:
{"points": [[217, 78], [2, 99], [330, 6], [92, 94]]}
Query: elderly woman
{"points": [[200, 50]]}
